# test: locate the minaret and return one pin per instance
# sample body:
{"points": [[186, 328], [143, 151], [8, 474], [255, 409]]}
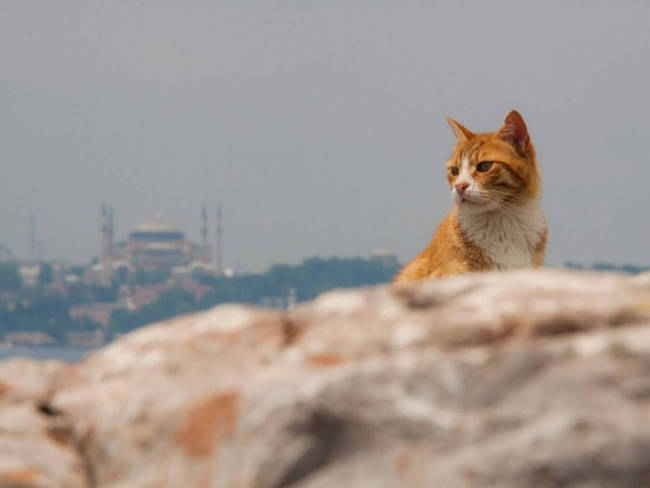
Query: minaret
{"points": [[32, 238], [106, 229], [204, 226], [39, 249], [103, 227], [110, 234], [218, 252], [203, 231]]}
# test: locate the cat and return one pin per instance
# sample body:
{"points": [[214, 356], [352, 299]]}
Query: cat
{"points": [[496, 222]]}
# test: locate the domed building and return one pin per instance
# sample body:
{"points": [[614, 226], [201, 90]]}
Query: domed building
{"points": [[154, 245], [157, 245]]}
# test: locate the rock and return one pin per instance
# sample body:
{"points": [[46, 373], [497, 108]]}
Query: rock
{"points": [[35, 447], [533, 378]]}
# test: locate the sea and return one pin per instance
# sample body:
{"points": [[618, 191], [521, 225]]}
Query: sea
{"points": [[44, 353]]}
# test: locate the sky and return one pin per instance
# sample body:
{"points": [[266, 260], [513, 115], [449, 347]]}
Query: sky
{"points": [[318, 125]]}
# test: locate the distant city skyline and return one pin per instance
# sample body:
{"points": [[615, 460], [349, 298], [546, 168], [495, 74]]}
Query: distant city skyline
{"points": [[319, 126]]}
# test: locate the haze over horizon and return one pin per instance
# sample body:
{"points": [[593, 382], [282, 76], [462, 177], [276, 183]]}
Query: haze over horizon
{"points": [[319, 127]]}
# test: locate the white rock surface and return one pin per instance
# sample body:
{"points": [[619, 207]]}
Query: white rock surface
{"points": [[533, 378]]}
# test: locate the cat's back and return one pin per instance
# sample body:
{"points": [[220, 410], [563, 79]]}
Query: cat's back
{"points": [[446, 254]]}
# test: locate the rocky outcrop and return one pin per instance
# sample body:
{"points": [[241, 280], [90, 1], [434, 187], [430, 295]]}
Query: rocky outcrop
{"points": [[534, 378]]}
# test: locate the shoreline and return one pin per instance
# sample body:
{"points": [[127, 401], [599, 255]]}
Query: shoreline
{"points": [[69, 354]]}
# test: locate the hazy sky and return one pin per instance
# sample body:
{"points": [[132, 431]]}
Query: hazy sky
{"points": [[318, 125]]}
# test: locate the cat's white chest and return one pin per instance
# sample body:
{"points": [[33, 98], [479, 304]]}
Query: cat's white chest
{"points": [[507, 238]]}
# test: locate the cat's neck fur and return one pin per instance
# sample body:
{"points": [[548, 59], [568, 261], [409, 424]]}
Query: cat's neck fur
{"points": [[506, 237]]}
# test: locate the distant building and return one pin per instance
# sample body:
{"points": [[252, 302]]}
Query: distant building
{"points": [[292, 299], [144, 295], [9, 299], [85, 338], [157, 245], [6, 255], [97, 312], [274, 302], [388, 259], [28, 339], [29, 274], [196, 289]]}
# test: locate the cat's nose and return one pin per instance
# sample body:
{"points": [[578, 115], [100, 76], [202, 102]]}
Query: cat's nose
{"points": [[461, 187]]}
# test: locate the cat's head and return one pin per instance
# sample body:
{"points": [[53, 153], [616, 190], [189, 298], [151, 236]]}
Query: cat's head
{"points": [[493, 170]]}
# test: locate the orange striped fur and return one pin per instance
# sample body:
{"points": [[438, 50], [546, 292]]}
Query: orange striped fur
{"points": [[496, 221]]}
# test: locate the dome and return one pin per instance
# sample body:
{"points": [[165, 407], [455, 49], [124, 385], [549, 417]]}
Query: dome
{"points": [[156, 229], [155, 225], [382, 252]]}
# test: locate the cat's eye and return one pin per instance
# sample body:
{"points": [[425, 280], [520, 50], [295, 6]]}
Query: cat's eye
{"points": [[484, 166], [453, 170]]}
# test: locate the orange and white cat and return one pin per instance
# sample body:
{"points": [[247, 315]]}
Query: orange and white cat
{"points": [[497, 221]]}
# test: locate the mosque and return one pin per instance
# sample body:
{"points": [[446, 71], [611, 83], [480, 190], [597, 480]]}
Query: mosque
{"points": [[156, 245]]}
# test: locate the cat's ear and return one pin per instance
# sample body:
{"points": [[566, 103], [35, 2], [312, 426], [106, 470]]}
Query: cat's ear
{"points": [[514, 130], [461, 133]]}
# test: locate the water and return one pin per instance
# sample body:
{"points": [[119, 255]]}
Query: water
{"points": [[62, 353]]}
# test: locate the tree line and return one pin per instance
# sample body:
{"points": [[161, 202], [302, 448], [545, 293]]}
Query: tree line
{"points": [[41, 308], [309, 279]]}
